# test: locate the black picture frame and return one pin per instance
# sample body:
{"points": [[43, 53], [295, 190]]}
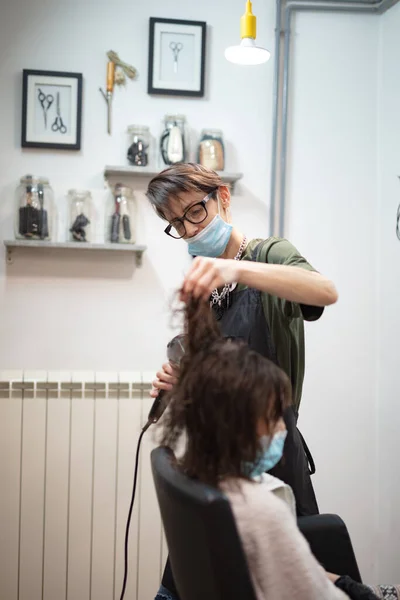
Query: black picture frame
{"points": [[51, 138], [152, 87]]}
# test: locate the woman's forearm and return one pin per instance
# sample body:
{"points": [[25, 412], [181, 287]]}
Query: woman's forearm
{"points": [[291, 283]]}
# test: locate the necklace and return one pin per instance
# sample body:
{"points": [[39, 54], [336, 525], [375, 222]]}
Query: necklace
{"points": [[217, 298]]}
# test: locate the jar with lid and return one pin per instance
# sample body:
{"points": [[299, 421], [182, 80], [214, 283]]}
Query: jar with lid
{"points": [[174, 140], [138, 151], [34, 214], [80, 224], [212, 149], [121, 216]]}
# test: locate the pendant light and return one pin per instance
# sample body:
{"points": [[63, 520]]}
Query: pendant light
{"points": [[247, 52]]}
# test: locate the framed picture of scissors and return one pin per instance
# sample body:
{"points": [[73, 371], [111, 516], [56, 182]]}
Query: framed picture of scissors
{"points": [[177, 53], [51, 110]]}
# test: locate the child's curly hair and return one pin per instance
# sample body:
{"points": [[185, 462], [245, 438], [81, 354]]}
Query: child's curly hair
{"points": [[224, 389]]}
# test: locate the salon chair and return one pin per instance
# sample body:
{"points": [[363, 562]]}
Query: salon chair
{"points": [[205, 551]]}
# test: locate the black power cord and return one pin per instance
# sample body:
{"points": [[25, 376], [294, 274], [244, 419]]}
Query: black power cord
{"points": [[175, 351], [128, 522]]}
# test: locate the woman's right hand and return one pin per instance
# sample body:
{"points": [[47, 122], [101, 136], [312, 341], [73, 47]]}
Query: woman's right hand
{"points": [[165, 379]]}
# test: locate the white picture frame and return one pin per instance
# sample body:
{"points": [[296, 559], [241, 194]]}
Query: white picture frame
{"points": [[51, 110], [176, 57]]}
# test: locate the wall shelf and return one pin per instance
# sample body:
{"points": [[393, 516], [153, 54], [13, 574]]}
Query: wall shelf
{"points": [[121, 174], [12, 245]]}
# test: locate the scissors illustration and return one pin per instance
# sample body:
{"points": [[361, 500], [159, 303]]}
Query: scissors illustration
{"points": [[176, 47], [46, 101], [58, 124]]}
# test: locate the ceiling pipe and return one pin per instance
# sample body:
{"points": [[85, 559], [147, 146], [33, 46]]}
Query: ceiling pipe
{"points": [[284, 12], [275, 115]]}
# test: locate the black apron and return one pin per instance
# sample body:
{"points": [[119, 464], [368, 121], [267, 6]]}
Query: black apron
{"points": [[244, 318]]}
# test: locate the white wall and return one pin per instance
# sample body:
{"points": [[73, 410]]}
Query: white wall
{"points": [[98, 312], [388, 270], [343, 193], [331, 194]]}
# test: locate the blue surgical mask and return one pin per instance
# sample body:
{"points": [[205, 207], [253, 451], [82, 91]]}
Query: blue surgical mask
{"points": [[212, 240], [268, 456]]}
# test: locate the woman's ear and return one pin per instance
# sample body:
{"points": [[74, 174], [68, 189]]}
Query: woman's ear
{"points": [[224, 201], [262, 427], [224, 196]]}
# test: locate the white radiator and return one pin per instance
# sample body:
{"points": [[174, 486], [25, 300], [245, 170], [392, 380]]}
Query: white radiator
{"points": [[67, 452]]}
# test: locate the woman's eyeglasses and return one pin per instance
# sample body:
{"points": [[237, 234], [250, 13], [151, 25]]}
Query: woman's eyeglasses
{"points": [[195, 214]]}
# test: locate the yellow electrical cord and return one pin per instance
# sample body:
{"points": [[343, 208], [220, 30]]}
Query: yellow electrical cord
{"points": [[248, 23]]}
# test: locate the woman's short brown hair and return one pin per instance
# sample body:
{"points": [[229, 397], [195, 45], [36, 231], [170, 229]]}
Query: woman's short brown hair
{"points": [[223, 391], [177, 179]]}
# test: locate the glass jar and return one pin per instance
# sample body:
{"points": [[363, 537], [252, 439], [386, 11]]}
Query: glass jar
{"points": [[80, 228], [121, 216], [174, 140], [34, 215], [138, 151], [212, 149]]}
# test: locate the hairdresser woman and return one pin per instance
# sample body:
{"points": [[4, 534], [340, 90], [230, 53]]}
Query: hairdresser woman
{"points": [[261, 291]]}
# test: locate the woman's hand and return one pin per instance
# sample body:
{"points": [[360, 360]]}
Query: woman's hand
{"points": [[165, 379], [207, 274]]}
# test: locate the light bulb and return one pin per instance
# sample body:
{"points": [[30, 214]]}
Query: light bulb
{"points": [[247, 53]]}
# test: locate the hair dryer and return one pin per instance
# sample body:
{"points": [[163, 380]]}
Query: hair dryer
{"points": [[175, 352]]}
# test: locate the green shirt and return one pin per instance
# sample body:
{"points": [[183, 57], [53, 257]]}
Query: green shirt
{"points": [[285, 319]]}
